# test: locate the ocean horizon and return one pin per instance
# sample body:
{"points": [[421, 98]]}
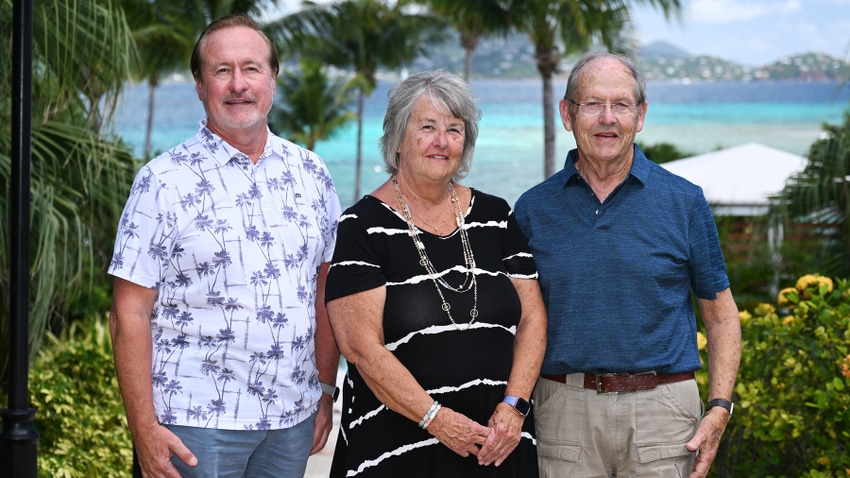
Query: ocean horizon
{"points": [[695, 117]]}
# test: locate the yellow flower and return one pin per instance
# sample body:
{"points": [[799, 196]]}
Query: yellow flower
{"points": [[813, 280], [788, 320], [744, 315], [764, 310], [701, 341], [823, 460], [783, 296]]}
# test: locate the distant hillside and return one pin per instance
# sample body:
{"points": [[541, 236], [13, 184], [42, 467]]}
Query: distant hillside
{"points": [[662, 49], [662, 61], [513, 57]]}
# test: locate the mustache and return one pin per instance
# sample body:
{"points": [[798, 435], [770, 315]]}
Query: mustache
{"points": [[249, 98]]}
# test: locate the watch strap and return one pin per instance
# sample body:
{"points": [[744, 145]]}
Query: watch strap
{"points": [[520, 405], [719, 402], [331, 390]]}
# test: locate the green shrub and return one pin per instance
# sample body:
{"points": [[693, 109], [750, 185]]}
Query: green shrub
{"points": [[80, 416], [792, 416]]}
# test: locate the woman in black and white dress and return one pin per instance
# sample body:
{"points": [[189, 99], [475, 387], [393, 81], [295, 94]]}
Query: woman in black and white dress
{"points": [[433, 298]]}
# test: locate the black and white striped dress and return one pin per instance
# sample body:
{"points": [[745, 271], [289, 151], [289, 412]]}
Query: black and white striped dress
{"points": [[466, 371]]}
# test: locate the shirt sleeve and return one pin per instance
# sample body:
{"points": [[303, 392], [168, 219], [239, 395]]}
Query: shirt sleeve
{"points": [[146, 233], [708, 274], [357, 260]]}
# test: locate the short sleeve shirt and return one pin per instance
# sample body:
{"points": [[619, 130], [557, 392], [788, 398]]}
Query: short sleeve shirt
{"points": [[233, 249], [617, 277]]}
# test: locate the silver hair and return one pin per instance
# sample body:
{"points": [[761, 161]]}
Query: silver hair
{"points": [[447, 92], [575, 74]]}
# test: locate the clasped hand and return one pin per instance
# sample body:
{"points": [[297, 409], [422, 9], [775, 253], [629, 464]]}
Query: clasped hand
{"points": [[491, 444]]}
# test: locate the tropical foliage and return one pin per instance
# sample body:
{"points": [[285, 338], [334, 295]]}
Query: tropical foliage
{"points": [[473, 19], [360, 36], [310, 106], [820, 196], [792, 413], [82, 53], [81, 422]]}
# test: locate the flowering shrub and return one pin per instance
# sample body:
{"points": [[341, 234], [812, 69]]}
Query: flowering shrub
{"points": [[792, 416]]}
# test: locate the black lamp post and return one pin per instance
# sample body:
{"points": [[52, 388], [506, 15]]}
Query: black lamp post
{"points": [[18, 437]]}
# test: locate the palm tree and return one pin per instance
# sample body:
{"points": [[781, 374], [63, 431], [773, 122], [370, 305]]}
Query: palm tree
{"points": [[473, 19], [820, 196], [559, 28], [362, 35], [82, 52], [313, 107], [164, 41]]}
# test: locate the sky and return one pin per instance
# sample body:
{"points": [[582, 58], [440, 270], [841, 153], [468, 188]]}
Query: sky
{"points": [[752, 32], [749, 32]]}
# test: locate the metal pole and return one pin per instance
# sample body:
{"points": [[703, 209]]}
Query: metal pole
{"points": [[18, 436]]}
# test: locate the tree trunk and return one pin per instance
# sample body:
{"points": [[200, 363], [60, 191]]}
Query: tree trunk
{"points": [[359, 160], [467, 65], [153, 82], [547, 64], [548, 127]]}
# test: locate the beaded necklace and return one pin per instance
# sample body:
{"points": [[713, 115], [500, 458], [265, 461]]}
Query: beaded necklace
{"points": [[469, 281]]}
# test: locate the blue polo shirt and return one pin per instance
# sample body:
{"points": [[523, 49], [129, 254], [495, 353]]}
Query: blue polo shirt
{"points": [[617, 276]]}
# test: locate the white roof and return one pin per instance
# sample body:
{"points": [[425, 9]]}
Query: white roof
{"points": [[739, 180]]}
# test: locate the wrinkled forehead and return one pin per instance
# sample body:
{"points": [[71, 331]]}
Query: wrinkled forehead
{"points": [[606, 78]]}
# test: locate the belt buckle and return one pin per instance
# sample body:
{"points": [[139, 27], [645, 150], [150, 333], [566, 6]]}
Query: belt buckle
{"points": [[599, 377]]}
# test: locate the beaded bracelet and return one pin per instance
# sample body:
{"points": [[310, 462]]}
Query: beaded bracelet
{"points": [[429, 416]]}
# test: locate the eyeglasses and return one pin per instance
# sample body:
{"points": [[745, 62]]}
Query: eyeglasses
{"points": [[597, 107]]}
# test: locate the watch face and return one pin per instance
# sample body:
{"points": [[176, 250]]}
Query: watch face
{"points": [[522, 406]]}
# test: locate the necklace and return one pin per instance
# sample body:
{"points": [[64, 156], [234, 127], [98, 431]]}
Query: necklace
{"points": [[469, 281], [436, 227]]}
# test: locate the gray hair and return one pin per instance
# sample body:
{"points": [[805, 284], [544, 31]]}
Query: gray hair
{"points": [[447, 92], [575, 74]]}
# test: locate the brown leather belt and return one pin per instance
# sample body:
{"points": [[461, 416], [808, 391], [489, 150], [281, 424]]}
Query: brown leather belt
{"points": [[625, 382]]}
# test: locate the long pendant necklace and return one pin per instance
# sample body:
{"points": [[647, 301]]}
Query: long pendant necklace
{"points": [[469, 281]]}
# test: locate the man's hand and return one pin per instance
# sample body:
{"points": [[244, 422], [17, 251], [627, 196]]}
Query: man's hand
{"points": [[707, 439], [155, 447], [323, 425], [505, 433]]}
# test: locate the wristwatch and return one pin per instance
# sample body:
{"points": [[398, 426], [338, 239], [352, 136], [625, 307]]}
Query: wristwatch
{"points": [[518, 404], [719, 402], [331, 390]]}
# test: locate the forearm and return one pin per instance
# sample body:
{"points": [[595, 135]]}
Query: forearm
{"points": [[393, 384], [723, 331], [132, 345], [530, 341], [327, 351]]}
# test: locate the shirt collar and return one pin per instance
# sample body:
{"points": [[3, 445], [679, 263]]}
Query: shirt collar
{"points": [[639, 170], [222, 151]]}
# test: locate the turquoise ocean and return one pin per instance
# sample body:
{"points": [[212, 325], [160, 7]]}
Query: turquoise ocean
{"points": [[695, 117]]}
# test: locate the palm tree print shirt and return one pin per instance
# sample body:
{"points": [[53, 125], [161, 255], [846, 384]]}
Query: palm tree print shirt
{"points": [[233, 249]]}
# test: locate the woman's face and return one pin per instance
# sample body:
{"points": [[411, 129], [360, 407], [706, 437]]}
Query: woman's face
{"points": [[432, 145]]}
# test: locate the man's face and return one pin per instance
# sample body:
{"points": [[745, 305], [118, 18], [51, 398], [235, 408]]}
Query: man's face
{"points": [[605, 136], [236, 83]]}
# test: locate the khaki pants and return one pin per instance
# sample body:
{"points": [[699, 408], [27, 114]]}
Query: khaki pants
{"points": [[582, 434]]}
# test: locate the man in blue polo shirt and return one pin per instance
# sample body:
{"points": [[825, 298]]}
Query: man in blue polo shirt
{"points": [[620, 245]]}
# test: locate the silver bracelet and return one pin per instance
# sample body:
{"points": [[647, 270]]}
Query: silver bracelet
{"points": [[429, 416]]}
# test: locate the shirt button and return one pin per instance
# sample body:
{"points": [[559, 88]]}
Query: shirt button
{"points": [[597, 212]]}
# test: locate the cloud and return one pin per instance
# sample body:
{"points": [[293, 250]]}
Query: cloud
{"points": [[728, 11]]}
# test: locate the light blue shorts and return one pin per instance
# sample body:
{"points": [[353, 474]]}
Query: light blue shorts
{"points": [[279, 453]]}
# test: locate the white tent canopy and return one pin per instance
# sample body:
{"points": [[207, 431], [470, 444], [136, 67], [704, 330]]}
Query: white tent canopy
{"points": [[739, 181]]}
